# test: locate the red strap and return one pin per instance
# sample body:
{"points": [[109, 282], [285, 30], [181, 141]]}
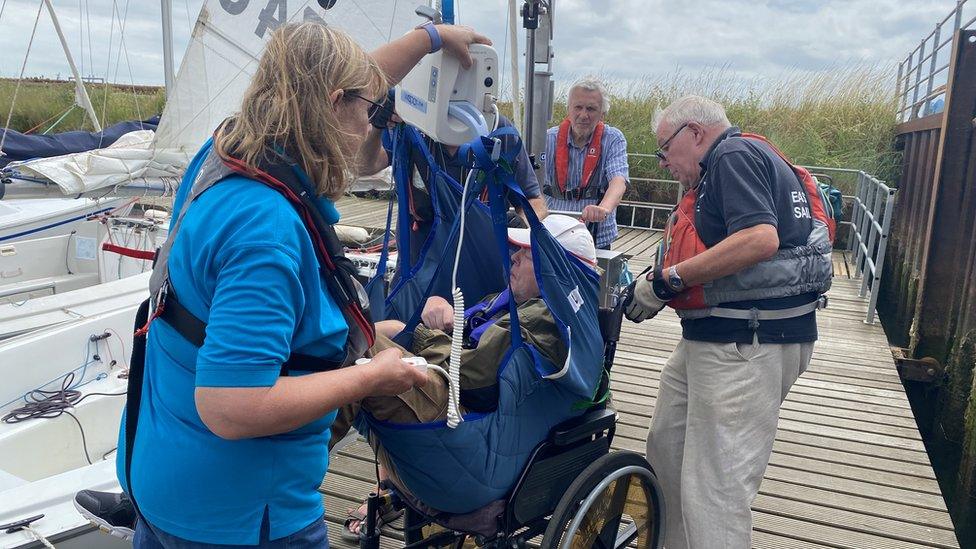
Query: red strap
{"points": [[589, 162], [353, 307], [145, 328], [129, 252]]}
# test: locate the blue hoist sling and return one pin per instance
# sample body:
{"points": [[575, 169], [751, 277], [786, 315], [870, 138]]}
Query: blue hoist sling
{"points": [[428, 275], [458, 470]]}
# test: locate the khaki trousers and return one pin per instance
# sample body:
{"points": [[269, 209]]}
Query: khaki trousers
{"points": [[712, 434], [418, 405]]}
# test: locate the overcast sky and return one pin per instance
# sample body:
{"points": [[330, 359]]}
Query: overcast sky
{"points": [[623, 40]]}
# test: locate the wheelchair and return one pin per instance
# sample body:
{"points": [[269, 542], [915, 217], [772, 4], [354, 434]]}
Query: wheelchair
{"points": [[574, 492]]}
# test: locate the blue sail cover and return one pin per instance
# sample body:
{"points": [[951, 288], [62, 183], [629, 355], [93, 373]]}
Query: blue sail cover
{"points": [[463, 469], [20, 146], [430, 274]]}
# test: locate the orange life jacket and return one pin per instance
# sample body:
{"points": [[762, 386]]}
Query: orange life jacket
{"points": [[681, 240], [590, 161]]}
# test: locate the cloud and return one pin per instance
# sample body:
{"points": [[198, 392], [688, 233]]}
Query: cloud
{"points": [[625, 40]]}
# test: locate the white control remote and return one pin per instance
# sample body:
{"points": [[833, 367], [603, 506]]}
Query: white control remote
{"points": [[417, 361]]}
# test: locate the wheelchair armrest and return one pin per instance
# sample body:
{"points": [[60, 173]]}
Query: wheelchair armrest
{"points": [[584, 426]]}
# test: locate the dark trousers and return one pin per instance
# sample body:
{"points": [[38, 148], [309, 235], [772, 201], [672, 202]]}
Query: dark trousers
{"points": [[313, 536]]}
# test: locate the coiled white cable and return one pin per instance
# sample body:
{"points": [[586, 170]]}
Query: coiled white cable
{"points": [[457, 336], [454, 375]]}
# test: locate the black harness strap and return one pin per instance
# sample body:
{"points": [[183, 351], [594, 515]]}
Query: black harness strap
{"points": [[194, 330], [137, 368]]}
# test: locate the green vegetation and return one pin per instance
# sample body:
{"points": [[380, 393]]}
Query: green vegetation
{"points": [[843, 118], [40, 103]]}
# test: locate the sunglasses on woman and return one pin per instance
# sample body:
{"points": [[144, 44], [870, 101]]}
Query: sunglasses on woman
{"points": [[378, 113]]}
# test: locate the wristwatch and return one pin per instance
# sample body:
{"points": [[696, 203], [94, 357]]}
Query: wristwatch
{"points": [[674, 280], [435, 37]]}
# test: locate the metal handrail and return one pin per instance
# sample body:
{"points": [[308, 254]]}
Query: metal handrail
{"points": [[911, 70], [870, 226]]}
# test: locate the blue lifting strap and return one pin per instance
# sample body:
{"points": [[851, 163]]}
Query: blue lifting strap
{"points": [[418, 279]]}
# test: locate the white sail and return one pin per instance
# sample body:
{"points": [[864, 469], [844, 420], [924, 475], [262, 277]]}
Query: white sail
{"points": [[227, 41], [132, 157], [221, 57]]}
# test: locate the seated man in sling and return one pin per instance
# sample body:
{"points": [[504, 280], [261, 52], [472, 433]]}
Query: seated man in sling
{"points": [[487, 340], [487, 337]]}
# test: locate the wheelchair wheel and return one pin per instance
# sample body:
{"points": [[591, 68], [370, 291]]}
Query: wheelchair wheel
{"points": [[613, 503]]}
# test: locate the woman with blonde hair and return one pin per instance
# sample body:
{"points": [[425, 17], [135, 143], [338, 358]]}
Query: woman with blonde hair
{"points": [[257, 325]]}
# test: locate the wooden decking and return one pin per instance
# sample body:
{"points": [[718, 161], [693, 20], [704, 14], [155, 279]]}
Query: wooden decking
{"points": [[848, 467]]}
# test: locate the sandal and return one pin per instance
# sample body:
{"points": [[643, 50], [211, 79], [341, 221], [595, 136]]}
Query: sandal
{"points": [[387, 514]]}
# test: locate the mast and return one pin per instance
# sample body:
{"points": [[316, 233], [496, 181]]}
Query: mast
{"points": [[81, 94], [537, 21], [447, 10], [514, 53], [166, 9]]}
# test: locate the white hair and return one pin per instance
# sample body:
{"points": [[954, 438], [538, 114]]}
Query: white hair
{"points": [[592, 83], [692, 108]]}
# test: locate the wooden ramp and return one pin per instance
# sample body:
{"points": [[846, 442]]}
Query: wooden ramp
{"points": [[848, 467]]}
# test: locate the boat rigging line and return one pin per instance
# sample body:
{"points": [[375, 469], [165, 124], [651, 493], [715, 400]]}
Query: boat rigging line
{"points": [[20, 78], [49, 404]]}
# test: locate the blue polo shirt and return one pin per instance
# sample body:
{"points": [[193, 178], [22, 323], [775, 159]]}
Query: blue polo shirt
{"points": [[243, 262]]}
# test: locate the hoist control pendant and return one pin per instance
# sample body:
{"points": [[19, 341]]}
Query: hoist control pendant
{"points": [[426, 95]]}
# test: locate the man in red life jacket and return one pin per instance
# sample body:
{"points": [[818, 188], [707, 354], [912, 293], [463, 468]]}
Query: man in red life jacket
{"points": [[586, 161], [745, 264]]}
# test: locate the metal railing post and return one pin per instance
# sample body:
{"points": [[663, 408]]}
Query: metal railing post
{"points": [[864, 226], [882, 247], [935, 55], [904, 98], [852, 241], [873, 230], [958, 21], [898, 87], [918, 79]]}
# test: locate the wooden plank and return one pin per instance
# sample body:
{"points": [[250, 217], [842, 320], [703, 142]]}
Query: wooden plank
{"points": [[856, 503], [896, 530], [855, 487], [835, 537], [766, 540]]}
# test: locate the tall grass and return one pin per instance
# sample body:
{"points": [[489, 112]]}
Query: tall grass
{"points": [[843, 118], [41, 103]]}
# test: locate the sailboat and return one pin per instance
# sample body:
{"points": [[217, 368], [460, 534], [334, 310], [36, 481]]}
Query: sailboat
{"points": [[44, 461], [67, 277], [33, 218]]}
